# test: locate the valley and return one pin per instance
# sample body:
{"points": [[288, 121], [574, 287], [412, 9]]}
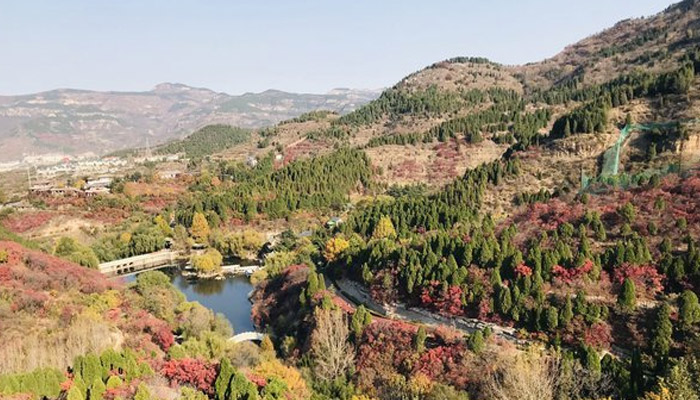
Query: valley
{"points": [[477, 231]]}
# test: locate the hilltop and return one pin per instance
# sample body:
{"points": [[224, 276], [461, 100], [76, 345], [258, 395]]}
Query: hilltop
{"points": [[459, 113]]}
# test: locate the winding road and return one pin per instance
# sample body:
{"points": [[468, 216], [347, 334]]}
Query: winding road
{"points": [[356, 295]]}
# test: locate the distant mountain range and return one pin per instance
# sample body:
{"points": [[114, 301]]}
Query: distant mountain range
{"points": [[75, 122]]}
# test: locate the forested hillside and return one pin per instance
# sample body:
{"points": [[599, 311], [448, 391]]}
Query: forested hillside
{"points": [[479, 231]]}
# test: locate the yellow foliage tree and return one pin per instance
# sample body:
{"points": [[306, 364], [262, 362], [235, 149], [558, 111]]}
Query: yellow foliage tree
{"points": [[663, 394], [163, 225], [420, 385], [334, 247], [209, 262], [296, 386], [125, 237], [384, 229], [200, 228]]}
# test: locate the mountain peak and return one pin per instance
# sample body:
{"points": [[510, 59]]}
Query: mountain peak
{"points": [[173, 87]]}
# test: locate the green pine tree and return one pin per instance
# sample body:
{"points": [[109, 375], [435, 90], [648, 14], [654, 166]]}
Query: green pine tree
{"points": [[688, 310], [222, 381], [419, 339], [567, 312], [627, 299], [74, 393], [97, 390], [662, 332]]}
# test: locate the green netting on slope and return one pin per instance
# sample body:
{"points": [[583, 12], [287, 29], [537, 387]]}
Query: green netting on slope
{"points": [[611, 159]]}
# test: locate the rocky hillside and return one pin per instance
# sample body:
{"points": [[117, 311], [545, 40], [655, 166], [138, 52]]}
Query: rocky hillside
{"points": [[456, 114], [77, 121]]}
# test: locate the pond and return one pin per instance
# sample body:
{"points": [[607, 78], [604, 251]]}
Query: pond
{"points": [[227, 296]]}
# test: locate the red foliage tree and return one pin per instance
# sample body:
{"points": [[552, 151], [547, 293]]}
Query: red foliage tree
{"points": [[190, 371], [523, 270], [598, 335], [644, 277], [571, 275], [446, 301], [161, 334]]}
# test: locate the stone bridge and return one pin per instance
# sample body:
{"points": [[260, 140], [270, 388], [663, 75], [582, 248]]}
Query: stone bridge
{"points": [[248, 337], [144, 262]]}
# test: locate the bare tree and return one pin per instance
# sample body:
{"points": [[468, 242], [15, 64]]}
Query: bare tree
{"points": [[536, 375], [575, 382], [524, 376], [330, 344]]}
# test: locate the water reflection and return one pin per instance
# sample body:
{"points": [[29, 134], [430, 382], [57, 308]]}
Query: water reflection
{"points": [[203, 287], [228, 296]]}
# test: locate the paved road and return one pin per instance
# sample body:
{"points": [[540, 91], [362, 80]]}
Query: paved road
{"points": [[356, 294]]}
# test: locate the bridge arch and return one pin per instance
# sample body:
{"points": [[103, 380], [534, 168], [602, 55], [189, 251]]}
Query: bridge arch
{"points": [[248, 337]]}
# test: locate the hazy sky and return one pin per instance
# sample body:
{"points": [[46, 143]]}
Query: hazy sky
{"points": [[295, 45]]}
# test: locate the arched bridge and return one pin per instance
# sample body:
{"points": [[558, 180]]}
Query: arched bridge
{"points": [[248, 337], [143, 262]]}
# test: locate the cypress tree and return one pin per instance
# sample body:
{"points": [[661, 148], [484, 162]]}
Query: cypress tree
{"points": [[97, 390], [114, 382], [241, 389], [551, 319], [567, 312], [142, 392], [662, 332], [688, 310], [358, 322], [627, 299], [92, 368], [419, 339], [476, 342], [222, 380], [74, 393]]}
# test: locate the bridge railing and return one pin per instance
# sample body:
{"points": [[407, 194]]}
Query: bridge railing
{"points": [[247, 337]]}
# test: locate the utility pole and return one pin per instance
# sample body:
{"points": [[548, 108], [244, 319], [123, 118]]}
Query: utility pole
{"points": [[29, 179]]}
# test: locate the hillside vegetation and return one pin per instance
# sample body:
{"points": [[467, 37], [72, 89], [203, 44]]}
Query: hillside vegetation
{"points": [[479, 231]]}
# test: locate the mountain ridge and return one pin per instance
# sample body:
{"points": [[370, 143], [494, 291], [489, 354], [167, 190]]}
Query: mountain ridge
{"points": [[78, 121]]}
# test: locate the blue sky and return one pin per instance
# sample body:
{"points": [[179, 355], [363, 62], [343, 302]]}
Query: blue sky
{"points": [[295, 45]]}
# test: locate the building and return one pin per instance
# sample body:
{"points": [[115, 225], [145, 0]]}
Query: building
{"points": [[333, 222], [100, 183], [169, 174]]}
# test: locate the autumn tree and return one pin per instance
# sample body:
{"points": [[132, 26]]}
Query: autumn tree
{"points": [[331, 350], [200, 228], [207, 263], [526, 376], [682, 381], [335, 246], [163, 225], [384, 229]]}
